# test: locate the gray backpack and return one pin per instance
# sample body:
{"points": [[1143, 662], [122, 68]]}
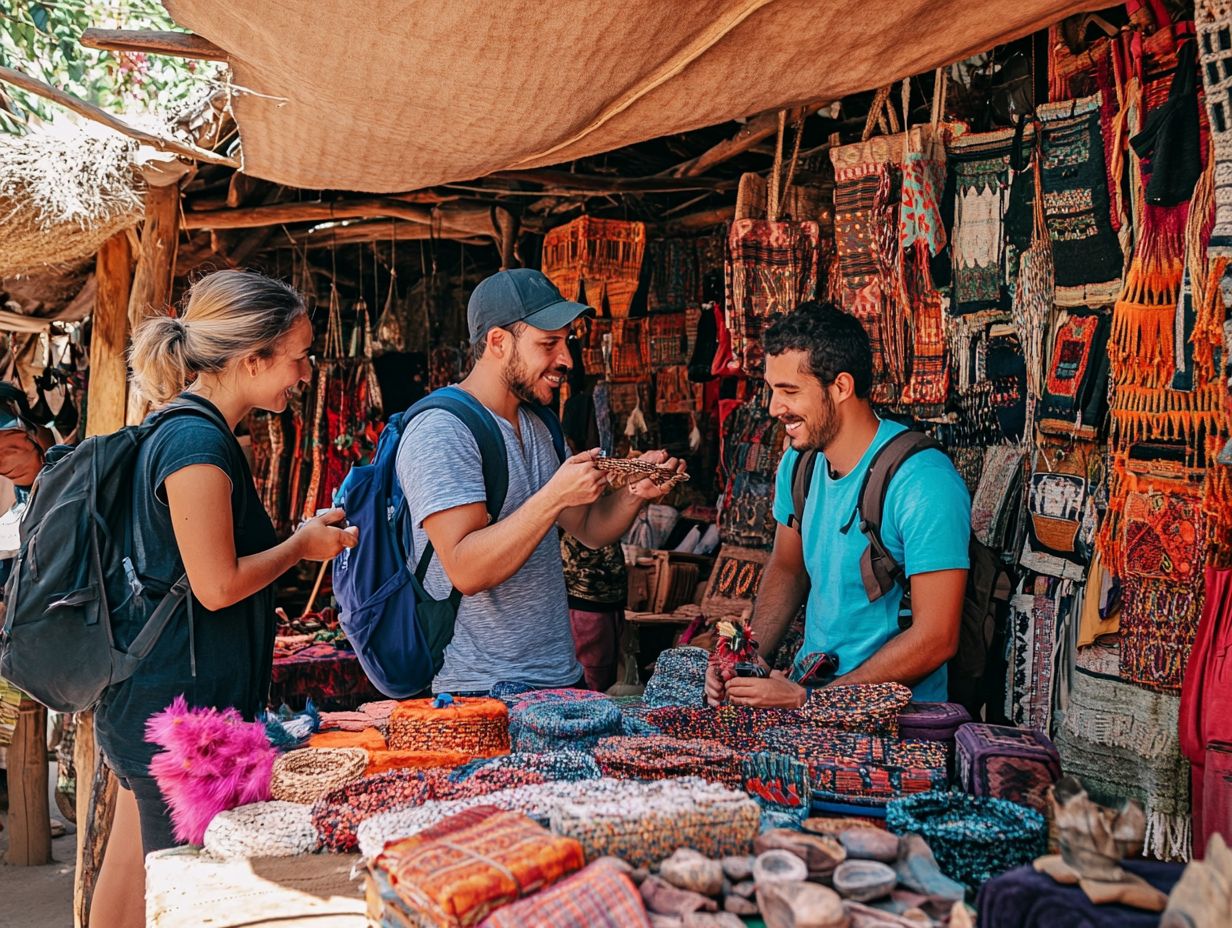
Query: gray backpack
{"points": [[75, 563]]}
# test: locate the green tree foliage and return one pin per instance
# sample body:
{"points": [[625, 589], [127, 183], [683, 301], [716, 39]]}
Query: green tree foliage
{"points": [[40, 39]]}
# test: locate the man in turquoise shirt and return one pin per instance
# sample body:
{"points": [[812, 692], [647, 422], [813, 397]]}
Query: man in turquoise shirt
{"points": [[819, 367]]}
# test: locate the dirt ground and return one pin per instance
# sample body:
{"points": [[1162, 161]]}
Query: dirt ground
{"points": [[39, 897]]}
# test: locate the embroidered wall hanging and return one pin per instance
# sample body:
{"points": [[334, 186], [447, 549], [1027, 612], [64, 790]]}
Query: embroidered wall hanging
{"points": [[669, 339], [674, 392], [598, 259], [981, 166], [1059, 505], [1213, 19], [1076, 387], [1158, 626], [734, 580], [993, 503], [630, 350]]}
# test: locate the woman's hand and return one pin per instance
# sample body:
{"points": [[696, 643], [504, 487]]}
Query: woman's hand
{"points": [[320, 538]]}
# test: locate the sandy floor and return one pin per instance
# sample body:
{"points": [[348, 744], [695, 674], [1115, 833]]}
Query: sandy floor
{"points": [[39, 897]]}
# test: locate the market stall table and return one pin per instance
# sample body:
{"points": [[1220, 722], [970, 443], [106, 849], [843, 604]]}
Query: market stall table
{"points": [[329, 675]]}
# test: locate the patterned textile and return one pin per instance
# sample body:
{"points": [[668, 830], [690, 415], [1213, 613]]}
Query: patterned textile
{"points": [[630, 355], [1076, 387], [981, 167], [863, 769], [929, 383], [369, 739], [561, 726], [751, 445], [973, 838], [919, 220], [1035, 614], [771, 268], [329, 676], [1159, 622], [871, 708], [261, 829], [1061, 508], [1213, 19], [459, 878], [570, 765], [992, 505], [738, 727], [674, 391], [669, 339], [1164, 536], [596, 575], [779, 784], [479, 727], [598, 896], [658, 757], [1085, 248], [679, 678], [597, 261], [709, 818], [1017, 764], [337, 815], [1123, 743]]}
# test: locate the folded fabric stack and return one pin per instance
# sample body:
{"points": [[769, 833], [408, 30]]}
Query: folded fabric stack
{"points": [[738, 727], [346, 721], [551, 765], [262, 829], [381, 761], [658, 757], [337, 816], [308, 774], [933, 721], [974, 838], [643, 829], [679, 678], [562, 726], [379, 711], [863, 770], [455, 874], [598, 896], [872, 708], [479, 727]]}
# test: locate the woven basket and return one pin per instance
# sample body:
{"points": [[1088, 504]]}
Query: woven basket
{"points": [[262, 829], [307, 775], [479, 727]]}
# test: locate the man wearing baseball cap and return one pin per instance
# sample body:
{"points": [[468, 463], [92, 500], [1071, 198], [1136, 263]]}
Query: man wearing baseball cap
{"points": [[513, 620]]}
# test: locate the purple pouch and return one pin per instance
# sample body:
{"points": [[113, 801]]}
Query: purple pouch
{"points": [[932, 721], [1018, 764]]}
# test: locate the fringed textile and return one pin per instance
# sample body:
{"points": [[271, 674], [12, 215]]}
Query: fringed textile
{"points": [[1213, 19], [1076, 386], [981, 166], [598, 259]]}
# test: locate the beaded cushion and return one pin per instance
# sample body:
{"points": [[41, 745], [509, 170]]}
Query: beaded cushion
{"points": [[866, 707], [738, 727], [1018, 764], [479, 727], [679, 678], [658, 757], [337, 815], [864, 770]]}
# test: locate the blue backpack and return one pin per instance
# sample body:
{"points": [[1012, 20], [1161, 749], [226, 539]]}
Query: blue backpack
{"points": [[398, 631]]}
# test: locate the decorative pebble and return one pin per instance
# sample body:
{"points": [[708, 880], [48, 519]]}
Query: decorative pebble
{"points": [[262, 829], [745, 888], [738, 869], [679, 678], [662, 897], [712, 920], [870, 844], [820, 853], [864, 880], [687, 869], [308, 774], [778, 867], [800, 905], [740, 905]]}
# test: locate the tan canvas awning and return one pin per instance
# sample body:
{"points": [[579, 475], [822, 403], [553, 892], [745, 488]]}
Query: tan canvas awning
{"points": [[390, 95]]}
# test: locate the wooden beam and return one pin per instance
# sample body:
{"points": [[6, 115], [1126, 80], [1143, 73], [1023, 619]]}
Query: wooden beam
{"points": [[695, 222], [566, 182], [151, 293], [277, 214], [753, 132], [90, 111], [96, 801], [176, 44], [29, 811], [109, 338], [361, 232]]}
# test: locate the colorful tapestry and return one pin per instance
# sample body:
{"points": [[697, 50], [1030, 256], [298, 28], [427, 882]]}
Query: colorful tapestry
{"points": [[751, 444], [454, 878], [771, 268], [597, 261], [919, 220], [629, 351], [981, 166], [1165, 535], [674, 391], [1122, 742], [598, 896], [993, 503], [331, 677], [1159, 622], [1076, 387], [1213, 19], [929, 383], [779, 784], [1086, 252], [1035, 611], [669, 339]]}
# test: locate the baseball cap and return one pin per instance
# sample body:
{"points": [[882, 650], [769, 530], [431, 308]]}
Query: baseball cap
{"points": [[519, 295]]}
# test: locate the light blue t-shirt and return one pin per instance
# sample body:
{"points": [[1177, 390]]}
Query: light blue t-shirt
{"points": [[926, 526]]}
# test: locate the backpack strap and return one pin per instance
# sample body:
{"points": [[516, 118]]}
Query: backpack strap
{"points": [[878, 569], [801, 480], [549, 418]]}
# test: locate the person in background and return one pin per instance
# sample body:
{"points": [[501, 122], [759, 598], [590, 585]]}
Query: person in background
{"points": [[596, 580], [241, 343], [819, 366]]}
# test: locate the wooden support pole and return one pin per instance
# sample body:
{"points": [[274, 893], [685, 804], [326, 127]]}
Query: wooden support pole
{"points": [[90, 111], [160, 241], [176, 44], [29, 812], [108, 367], [96, 801]]}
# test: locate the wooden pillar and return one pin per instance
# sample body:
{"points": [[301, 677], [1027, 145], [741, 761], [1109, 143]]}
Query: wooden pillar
{"points": [[96, 799], [160, 240], [29, 814], [109, 338]]}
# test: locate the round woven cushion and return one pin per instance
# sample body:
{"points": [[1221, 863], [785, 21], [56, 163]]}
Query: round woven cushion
{"points": [[262, 829], [305, 776]]}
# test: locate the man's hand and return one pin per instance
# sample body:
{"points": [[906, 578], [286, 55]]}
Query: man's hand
{"points": [[21, 458], [716, 684], [647, 489], [772, 692], [577, 482]]}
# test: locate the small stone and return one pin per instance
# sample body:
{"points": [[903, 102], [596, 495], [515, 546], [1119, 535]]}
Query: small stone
{"points": [[744, 889], [665, 921], [870, 844], [638, 875], [738, 869], [864, 880], [687, 869], [666, 899], [820, 853], [778, 866], [740, 905], [709, 920], [800, 905], [616, 862]]}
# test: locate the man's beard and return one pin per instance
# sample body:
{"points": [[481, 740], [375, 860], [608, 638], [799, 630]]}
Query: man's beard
{"points": [[518, 379], [819, 434]]}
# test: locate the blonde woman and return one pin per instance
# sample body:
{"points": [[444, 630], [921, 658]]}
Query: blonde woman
{"points": [[241, 343]]}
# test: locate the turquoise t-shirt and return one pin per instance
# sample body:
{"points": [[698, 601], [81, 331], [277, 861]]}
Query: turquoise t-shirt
{"points": [[926, 527]]}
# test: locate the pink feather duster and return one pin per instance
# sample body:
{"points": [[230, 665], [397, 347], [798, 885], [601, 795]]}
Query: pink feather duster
{"points": [[212, 760]]}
